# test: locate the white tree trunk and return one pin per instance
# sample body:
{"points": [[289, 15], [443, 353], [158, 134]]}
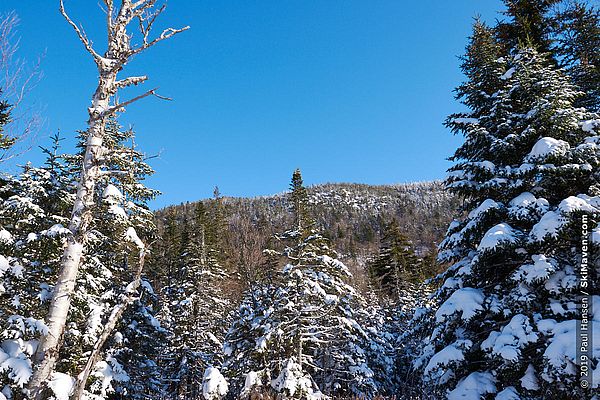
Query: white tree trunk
{"points": [[119, 52], [47, 352]]}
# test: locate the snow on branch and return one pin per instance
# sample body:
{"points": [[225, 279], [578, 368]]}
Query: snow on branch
{"points": [[111, 323]]}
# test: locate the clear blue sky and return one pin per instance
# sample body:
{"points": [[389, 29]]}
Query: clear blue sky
{"points": [[349, 91]]}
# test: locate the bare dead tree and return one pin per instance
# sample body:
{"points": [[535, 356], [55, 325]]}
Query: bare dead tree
{"points": [[120, 49], [17, 78]]}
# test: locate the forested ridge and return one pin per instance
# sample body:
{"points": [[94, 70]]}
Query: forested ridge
{"points": [[483, 286], [353, 216]]}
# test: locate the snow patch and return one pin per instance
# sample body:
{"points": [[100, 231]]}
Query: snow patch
{"points": [[467, 300], [112, 194], [547, 146], [117, 211], [252, 380], [293, 382], [214, 385], [572, 203], [131, 235], [474, 387], [508, 74], [56, 230], [561, 354], [590, 125], [483, 207], [61, 385], [447, 355], [501, 233], [5, 236], [529, 381], [510, 393], [538, 271], [14, 359], [549, 224], [513, 337]]}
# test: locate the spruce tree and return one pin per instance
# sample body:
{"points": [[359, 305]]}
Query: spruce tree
{"points": [[577, 32], [33, 209], [123, 219], [303, 335], [528, 23], [396, 267], [507, 303], [197, 310]]}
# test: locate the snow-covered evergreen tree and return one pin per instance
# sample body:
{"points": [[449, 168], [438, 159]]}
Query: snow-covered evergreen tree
{"points": [[33, 206], [110, 263], [578, 49], [197, 310], [302, 336], [506, 315], [396, 267]]}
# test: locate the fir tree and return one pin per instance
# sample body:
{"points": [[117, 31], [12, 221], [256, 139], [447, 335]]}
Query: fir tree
{"points": [[528, 23], [396, 267], [507, 301], [197, 310], [299, 203], [577, 31], [33, 206], [109, 264], [303, 335]]}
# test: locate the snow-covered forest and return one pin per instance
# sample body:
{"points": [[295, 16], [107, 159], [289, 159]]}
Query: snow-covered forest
{"points": [[483, 286]]}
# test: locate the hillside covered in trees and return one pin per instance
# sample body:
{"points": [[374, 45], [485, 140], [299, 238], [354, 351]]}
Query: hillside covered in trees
{"points": [[353, 216], [482, 287]]}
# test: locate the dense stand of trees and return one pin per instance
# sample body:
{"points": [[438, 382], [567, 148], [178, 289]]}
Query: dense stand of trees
{"points": [[335, 291]]}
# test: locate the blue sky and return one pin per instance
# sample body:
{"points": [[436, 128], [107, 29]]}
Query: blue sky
{"points": [[349, 91]]}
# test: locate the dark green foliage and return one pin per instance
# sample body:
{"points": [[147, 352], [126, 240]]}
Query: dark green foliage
{"points": [[396, 266], [307, 316], [578, 50], [527, 24], [527, 166], [299, 203], [5, 141], [194, 307]]}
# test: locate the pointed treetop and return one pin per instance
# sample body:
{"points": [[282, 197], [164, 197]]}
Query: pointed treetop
{"points": [[299, 201], [528, 24]]}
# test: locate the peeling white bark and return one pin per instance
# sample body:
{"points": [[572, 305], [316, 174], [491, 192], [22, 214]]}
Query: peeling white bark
{"points": [[118, 53]]}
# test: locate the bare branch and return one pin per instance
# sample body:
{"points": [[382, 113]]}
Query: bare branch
{"points": [[166, 34], [80, 33], [17, 79], [109, 14], [162, 97], [138, 4], [133, 80], [117, 107], [147, 21], [138, 9]]}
